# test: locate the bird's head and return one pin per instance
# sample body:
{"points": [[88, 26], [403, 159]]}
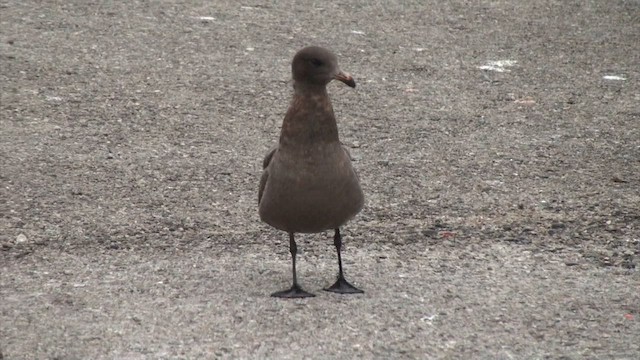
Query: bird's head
{"points": [[318, 66]]}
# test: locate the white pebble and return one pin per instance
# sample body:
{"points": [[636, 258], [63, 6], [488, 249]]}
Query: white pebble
{"points": [[22, 238]]}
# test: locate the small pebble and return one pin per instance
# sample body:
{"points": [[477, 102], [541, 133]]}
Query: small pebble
{"points": [[22, 238]]}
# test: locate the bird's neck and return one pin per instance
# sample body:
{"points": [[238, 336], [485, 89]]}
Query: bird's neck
{"points": [[310, 119]]}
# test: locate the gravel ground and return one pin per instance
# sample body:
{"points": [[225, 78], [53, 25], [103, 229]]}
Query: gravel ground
{"points": [[498, 144]]}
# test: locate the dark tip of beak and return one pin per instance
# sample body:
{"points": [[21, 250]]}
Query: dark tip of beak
{"points": [[345, 78]]}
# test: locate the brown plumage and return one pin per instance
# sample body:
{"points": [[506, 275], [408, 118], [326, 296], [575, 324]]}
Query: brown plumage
{"points": [[308, 184]]}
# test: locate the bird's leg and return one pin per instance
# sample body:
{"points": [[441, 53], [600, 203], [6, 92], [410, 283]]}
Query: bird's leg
{"points": [[295, 291], [341, 286]]}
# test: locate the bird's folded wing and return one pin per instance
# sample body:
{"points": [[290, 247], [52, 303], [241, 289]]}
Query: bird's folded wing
{"points": [[263, 183], [267, 158], [265, 173], [346, 149]]}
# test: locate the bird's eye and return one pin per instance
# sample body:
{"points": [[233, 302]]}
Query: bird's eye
{"points": [[316, 62]]}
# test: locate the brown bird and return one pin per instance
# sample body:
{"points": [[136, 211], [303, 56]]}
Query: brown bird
{"points": [[308, 184]]}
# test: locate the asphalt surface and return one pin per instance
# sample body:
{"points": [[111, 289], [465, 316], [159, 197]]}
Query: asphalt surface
{"points": [[498, 145]]}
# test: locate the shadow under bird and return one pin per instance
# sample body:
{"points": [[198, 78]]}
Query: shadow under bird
{"points": [[308, 184]]}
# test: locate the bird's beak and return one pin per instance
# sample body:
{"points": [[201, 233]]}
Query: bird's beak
{"points": [[345, 78]]}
